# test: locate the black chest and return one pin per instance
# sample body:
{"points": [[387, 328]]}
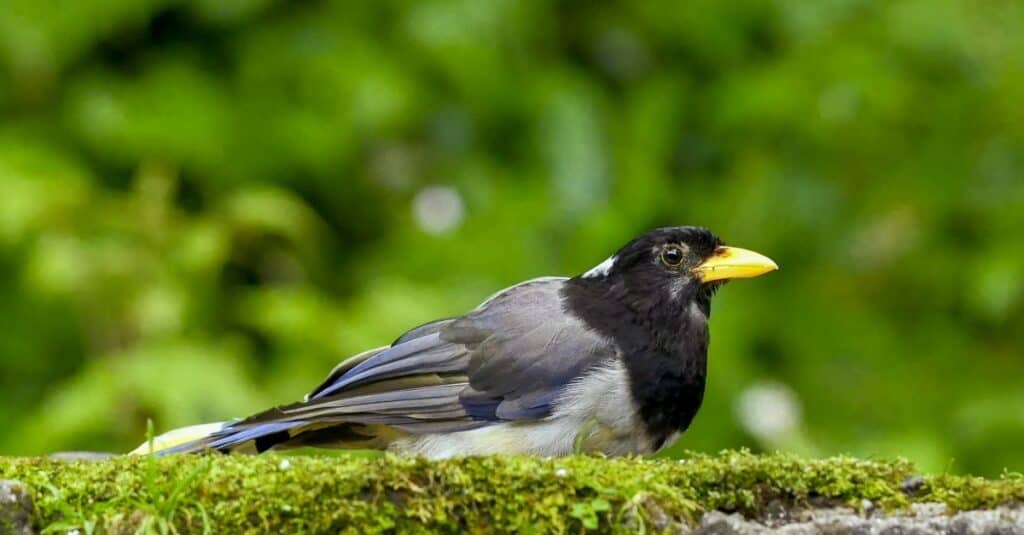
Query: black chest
{"points": [[664, 347], [667, 380]]}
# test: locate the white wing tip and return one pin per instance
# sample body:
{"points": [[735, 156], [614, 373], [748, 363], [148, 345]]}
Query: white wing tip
{"points": [[177, 437]]}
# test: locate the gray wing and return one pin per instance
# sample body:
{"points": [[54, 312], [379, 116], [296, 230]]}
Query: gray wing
{"points": [[509, 359], [524, 349]]}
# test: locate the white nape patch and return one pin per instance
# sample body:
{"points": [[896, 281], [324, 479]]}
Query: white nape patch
{"points": [[601, 269]]}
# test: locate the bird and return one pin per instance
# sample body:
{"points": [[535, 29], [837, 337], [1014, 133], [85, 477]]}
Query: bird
{"points": [[611, 361]]}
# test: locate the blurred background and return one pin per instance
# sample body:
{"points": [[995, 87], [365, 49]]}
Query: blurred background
{"points": [[206, 204]]}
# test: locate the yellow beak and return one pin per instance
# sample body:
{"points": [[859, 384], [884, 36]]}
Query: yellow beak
{"points": [[734, 263]]}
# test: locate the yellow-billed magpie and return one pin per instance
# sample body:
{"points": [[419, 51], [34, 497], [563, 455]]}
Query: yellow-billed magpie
{"points": [[612, 361]]}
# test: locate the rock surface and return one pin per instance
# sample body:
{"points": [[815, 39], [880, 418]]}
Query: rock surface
{"points": [[921, 519], [81, 456], [16, 519], [15, 509], [743, 492]]}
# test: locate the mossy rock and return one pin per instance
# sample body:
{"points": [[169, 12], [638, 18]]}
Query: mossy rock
{"points": [[15, 508], [307, 494]]}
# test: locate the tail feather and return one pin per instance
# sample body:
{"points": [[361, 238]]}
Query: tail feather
{"points": [[265, 436], [179, 437], [225, 437], [254, 437]]}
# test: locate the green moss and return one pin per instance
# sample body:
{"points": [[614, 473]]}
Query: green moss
{"points": [[340, 494]]}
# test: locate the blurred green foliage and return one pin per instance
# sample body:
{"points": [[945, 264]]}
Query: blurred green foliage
{"points": [[205, 204]]}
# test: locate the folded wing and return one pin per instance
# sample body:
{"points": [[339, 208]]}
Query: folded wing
{"points": [[509, 359]]}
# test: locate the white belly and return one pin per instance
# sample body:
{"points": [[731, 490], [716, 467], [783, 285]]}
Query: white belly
{"points": [[596, 414]]}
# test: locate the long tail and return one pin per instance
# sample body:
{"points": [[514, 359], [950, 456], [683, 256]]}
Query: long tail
{"points": [[178, 437], [221, 436], [254, 435]]}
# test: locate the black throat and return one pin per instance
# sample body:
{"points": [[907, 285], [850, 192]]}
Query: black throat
{"points": [[664, 342]]}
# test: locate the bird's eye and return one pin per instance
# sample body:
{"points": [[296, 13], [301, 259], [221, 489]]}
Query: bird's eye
{"points": [[672, 256]]}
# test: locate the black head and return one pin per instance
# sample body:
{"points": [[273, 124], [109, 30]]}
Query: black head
{"points": [[653, 299], [678, 265]]}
